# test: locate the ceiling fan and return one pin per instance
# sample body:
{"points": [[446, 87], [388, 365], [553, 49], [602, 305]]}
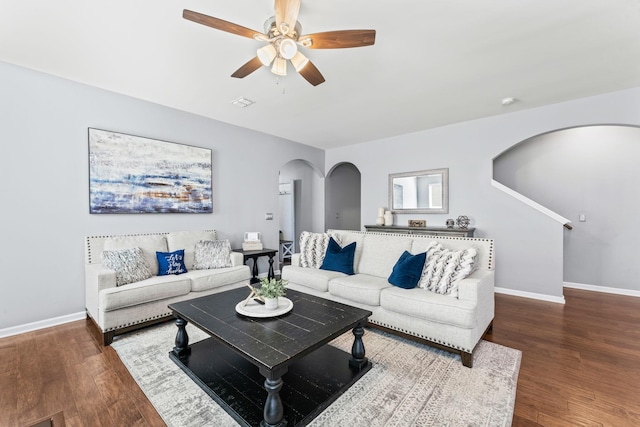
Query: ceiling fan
{"points": [[283, 35]]}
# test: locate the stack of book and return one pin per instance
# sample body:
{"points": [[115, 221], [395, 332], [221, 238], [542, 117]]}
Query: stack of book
{"points": [[252, 241], [252, 245]]}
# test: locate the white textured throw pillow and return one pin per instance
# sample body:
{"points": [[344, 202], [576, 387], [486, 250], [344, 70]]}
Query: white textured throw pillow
{"points": [[129, 264], [313, 247], [212, 254], [445, 268]]}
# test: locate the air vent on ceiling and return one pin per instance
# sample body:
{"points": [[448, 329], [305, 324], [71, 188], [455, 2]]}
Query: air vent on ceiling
{"points": [[242, 102]]}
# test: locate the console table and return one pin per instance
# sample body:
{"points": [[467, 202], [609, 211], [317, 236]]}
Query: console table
{"points": [[254, 255], [431, 231]]}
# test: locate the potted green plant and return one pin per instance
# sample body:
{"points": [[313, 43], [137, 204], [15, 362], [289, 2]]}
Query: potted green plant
{"points": [[270, 290]]}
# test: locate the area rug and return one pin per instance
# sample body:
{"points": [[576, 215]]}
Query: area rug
{"points": [[410, 384]]}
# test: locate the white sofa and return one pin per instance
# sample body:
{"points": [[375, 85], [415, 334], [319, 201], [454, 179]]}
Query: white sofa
{"points": [[119, 309], [454, 324]]}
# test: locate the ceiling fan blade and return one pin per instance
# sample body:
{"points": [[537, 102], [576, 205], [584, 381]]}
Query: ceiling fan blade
{"points": [[311, 74], [339, 39], [220, 24], [248, 68], [287, 12]]}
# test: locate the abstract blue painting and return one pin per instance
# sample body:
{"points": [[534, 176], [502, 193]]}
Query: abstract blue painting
{"points": [[131, 174]]}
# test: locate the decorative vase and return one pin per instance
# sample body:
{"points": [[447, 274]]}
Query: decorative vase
{"points": [[388, 218], [380, 220], [271, 303]]}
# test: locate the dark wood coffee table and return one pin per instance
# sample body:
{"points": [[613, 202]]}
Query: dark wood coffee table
{"points": [[270, 371]]}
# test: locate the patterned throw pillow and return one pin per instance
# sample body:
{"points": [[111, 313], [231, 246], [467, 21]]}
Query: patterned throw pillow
{"points": [[129, 264], [171, 262], [313, 247], [212, 254], [445, 268]]}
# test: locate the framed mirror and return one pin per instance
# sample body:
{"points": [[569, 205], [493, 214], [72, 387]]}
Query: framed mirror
{"points": [[424, 191]]}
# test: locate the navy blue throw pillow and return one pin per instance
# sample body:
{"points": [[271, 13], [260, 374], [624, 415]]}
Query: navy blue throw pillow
{"points": [[171, 262], [338, 258], [408, 269]]}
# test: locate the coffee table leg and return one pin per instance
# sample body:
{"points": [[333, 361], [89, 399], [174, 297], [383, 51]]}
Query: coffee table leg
{"points": [[357, 350], [182, 339], [273, 410]]}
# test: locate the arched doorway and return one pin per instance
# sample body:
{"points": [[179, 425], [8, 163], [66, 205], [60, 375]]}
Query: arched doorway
{"points": [[342, 197], [301, 207], [587, 174]]}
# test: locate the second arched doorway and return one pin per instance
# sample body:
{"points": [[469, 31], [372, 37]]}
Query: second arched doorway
{"points": [[343, 197]]}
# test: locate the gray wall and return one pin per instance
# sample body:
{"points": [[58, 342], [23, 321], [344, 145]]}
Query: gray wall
{"points": [[44, 170], [528, 244], [44, 121], [592, 171]]}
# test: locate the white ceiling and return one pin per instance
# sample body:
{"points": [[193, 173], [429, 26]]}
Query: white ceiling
{"points": [[434, 62]]}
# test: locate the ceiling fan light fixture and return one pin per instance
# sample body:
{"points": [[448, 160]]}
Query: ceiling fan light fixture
{"points": [[288, 48], [284, 28], [299, 61], [306, 41], [279, 67], [266, 54]]}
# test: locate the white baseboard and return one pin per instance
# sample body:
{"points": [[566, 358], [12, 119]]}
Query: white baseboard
{"points": [[605, 289], [41, 324], [532, 295]]}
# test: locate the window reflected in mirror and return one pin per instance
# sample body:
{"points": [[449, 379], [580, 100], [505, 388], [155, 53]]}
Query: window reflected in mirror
{"points": [[420, 191]]}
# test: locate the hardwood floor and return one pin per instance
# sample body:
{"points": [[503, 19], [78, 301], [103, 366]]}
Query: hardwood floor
{"points": [[580, 361], [580, 367]]}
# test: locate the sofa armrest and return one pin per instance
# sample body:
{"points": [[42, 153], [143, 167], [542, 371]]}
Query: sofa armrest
{"points": [[237, 259], [479, 288], [295, 260], [97, 278], [479, 283]]}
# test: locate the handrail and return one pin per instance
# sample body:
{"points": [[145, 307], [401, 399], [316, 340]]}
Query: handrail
{"points": [[535, 205]]}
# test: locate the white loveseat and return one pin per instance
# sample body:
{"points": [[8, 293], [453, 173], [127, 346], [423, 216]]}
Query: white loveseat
{"points": [[454, 324], [119, 309]]}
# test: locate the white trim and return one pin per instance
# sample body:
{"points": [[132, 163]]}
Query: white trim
{"points": [[605, 289], [41, 324], [532, 295], [548, 212]]}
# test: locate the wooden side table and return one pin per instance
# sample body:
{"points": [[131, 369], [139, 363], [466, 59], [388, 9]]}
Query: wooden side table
{"points": [[254, 255]]}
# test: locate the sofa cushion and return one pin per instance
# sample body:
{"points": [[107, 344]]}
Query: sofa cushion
{"points": [[187, 240], [202, 280], [313, 278], [129, 264], [313, 247], [150, 244], [430, 306], [408, 269], [445, 268], [338, 258], [361, 288], [212, 254], [153, 289], [171, 262], [380, 253]]}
